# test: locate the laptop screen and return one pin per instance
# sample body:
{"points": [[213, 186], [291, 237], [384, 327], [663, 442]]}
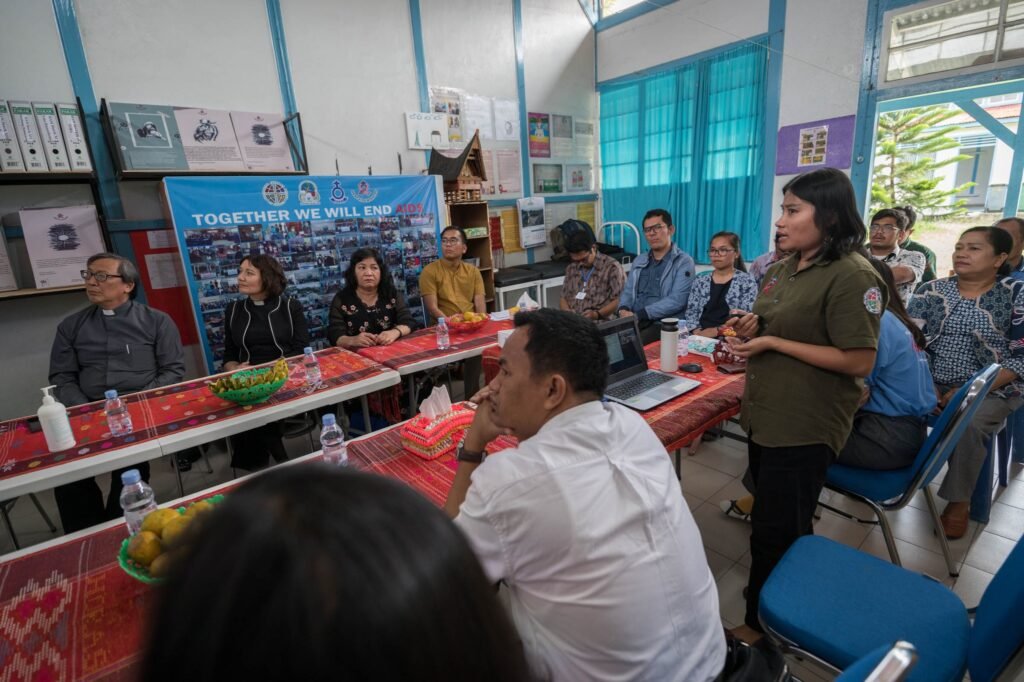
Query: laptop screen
{"points": [[625, 353]]}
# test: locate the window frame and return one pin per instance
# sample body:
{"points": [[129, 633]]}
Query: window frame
{"points": [[884, 51]]}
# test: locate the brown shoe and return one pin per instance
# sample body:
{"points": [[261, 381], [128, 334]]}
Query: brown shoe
{"points": [[955, 519]]}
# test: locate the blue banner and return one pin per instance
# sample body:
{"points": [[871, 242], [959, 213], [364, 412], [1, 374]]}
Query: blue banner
{"points": [[311, 225]]}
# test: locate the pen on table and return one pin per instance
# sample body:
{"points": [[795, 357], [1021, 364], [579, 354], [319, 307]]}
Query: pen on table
{"points": [[127, 349]]}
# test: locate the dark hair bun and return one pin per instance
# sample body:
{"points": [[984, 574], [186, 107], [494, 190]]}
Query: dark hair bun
{"points": [[911, 215]]}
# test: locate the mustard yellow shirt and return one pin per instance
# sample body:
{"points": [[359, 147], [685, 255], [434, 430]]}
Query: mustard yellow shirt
{"points": [[454, 288]]}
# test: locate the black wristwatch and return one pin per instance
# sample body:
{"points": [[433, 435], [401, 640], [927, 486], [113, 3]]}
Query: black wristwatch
{"points": [[464, 455]]}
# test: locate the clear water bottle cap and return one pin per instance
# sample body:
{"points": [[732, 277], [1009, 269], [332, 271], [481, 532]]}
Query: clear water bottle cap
{"points": [[307, 350], [330, 420], [110, 395], [131, 477]]}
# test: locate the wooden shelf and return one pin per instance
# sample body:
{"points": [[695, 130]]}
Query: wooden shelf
{"points": [[25, 293]]}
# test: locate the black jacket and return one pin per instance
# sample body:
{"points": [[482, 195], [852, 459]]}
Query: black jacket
{"points": [[262, 333]]}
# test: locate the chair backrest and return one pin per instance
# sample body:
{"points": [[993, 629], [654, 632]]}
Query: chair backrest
{"points": [[998, 630], [949, 426]]}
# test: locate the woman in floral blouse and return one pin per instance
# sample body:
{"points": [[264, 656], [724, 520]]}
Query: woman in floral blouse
{"points": [[971, 320], [728, 287], [368, 311]]}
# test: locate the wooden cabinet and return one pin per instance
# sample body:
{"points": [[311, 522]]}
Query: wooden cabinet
{"points": [[472, 217]]}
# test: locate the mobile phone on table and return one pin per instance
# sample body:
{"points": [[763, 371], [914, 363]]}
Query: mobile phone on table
{"points": [[33, 425]]}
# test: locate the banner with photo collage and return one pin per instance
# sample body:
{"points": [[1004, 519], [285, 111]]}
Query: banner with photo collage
{"points": [[312, 225]]}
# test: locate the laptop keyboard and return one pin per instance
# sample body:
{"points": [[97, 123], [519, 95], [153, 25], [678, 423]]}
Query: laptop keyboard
{"points": [[637, 385]]}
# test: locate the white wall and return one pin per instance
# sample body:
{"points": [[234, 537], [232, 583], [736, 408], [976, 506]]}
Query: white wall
{"points": [[682, 29], [820, 68]]}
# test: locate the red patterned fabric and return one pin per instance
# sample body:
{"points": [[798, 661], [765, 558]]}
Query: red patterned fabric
{"points": [[161, 411], [681, 421], [422, 345]]}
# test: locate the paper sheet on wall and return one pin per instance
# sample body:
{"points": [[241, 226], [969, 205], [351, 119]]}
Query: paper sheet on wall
{"points": [[556, 214], [509, 171], [7, 279], [506, 119], [263, 141], [540, 135], [579, 177], [477, 115], [584, 138], [59, 241], [449, 101], [164, 270], [426, 131], [532, 230], [561, 135], [587, 212], [490, 185], [161, 239], [209, 140], [510, 230]]}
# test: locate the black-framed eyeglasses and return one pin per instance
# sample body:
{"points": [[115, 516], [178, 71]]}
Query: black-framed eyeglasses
{"points": [[651, 229], [720, 252], [100, 276]]}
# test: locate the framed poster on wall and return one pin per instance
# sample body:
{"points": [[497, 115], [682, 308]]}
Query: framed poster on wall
{"points": [[311, 225]]}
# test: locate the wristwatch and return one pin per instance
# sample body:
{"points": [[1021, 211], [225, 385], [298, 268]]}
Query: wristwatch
{"points": [[464, 455]]}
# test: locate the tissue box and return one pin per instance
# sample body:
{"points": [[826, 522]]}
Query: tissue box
{"points": [[701, 345], [431, 438]]}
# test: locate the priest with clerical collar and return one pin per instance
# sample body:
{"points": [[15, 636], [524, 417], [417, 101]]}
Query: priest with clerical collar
{"points": [[114, 343]]}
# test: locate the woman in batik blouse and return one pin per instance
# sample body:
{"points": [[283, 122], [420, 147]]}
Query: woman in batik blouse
{"points": [[971, 320]]}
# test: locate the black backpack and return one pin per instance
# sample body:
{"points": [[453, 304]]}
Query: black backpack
{"points": [[560, 237]]}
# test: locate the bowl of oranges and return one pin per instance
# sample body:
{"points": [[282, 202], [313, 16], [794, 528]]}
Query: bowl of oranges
{"points": [[466, 322], [147, 555]]}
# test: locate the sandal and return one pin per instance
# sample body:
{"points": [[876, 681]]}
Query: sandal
{"points": [[733, 511]]}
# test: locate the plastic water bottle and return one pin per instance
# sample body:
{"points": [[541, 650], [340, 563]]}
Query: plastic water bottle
{"points": [[332, 440], [119, 421], [137, 500], [312, 367], [684, 338], [443, 340]]}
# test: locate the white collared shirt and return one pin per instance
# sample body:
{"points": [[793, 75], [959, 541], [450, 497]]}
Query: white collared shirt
{"points": [[604, 569], [911, 259]]}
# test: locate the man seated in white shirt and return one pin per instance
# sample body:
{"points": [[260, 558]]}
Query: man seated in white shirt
{"points": [[584, 524]]}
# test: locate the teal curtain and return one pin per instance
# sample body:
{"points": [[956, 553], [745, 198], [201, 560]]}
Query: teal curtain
{"points": [[690, 140]]}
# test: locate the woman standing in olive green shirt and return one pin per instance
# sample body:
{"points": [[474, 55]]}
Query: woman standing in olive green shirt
{"points": [[809, 340]]}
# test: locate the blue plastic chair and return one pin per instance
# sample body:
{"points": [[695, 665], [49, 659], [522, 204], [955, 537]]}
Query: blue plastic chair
{"points": [[834, 604], [859, 671], [893, 489]]}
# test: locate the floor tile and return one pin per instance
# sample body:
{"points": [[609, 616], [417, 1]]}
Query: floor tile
{"points": [[1006, 521], [719, 563], [842, 530], [917, 527], [989, 551], [700, 480], [913, 558], [731, 603], [971, 584], [720, 533], [719, 456]]}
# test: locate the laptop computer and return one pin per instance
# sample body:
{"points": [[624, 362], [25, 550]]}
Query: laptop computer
{"points": [[630, 382]]}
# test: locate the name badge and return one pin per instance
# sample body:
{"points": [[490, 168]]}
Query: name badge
{"points": [[581, 295]]}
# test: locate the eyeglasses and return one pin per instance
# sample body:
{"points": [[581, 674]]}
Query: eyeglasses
{"points": [[651, 229], [454, 241], [875, 227], [100, 276], [720, 252]]}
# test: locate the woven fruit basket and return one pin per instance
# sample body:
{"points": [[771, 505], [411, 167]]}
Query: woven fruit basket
{"points": [[459, 325], [251, 386], [139, 572]]}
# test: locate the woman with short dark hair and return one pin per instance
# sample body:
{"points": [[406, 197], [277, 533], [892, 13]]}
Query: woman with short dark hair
{"points": [[311, 573], [368, 311], [262, 327], [809, 340], [971, 320]]}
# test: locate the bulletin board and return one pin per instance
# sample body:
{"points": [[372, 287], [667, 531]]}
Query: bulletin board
{"points": [[159, 264], [311, 225]]}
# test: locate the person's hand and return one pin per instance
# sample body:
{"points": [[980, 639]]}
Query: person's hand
{"points": [[748, 348], [944, 398], [625, 312], [388, 337], [483, 429], [591, 315], [363, 340], [710, 332], [743, 323], [865, 395]]}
